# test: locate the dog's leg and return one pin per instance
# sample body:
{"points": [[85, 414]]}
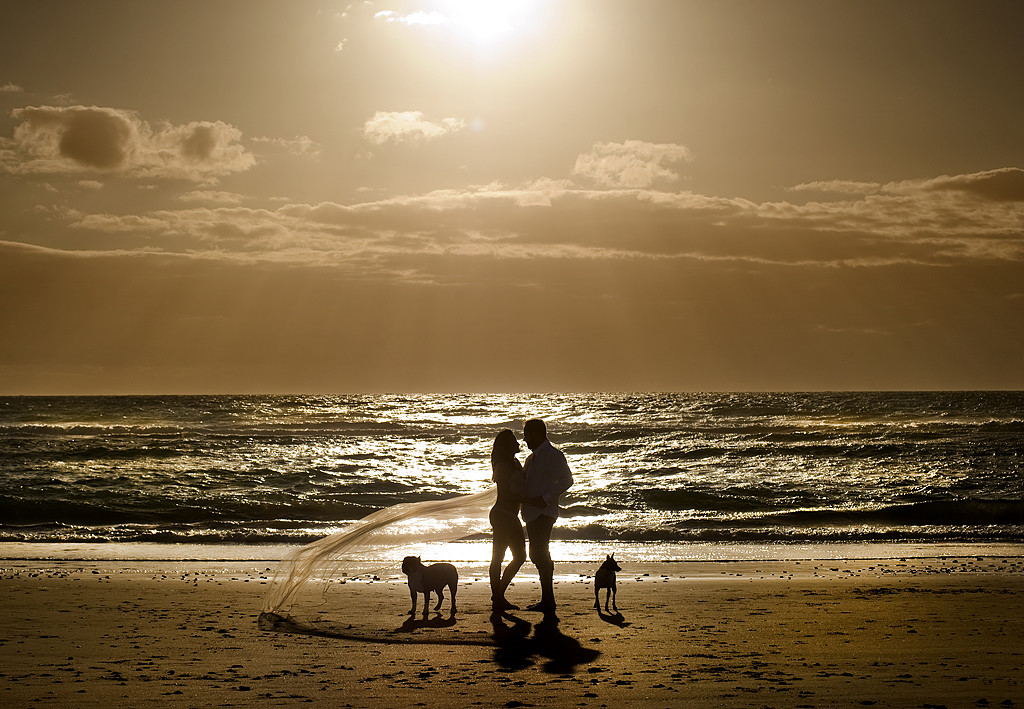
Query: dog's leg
{"points": [[440, 598], [452, 588], [597, 596], [413, 594], [614, 607], [426, 603]]}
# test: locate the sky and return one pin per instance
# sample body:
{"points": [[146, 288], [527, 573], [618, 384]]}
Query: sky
{"points": [[304, 196]]}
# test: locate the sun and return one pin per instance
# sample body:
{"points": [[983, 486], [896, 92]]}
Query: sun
{"points": [[482, 22], [488, 21]]}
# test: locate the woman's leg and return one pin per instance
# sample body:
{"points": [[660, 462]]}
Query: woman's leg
{"points": [[507, 533], [516, 541], [498, 547]]}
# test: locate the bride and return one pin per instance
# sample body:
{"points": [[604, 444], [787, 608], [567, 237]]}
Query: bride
{"points": [[507, 474]]}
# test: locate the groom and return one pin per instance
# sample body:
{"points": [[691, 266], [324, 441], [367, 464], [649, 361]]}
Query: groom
{"points": [[547, 477]]}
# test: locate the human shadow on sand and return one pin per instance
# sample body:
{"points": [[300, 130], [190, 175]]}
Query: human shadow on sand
{"points": [[516, 649]]}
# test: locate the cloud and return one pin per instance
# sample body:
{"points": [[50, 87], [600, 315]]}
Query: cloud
{"points": [[212, 196], [75, 139], [851, 187], [413, 18], [982, 203], [633, 163], [299, 145], [10, 88], [1002, 185], [96, 138], [445, 234], [407, 126]]}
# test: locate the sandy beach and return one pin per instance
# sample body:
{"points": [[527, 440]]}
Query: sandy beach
{"points": [[914, 632]]}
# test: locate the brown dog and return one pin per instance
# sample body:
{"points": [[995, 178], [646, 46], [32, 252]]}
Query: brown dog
{"points": [[605, 578], [429, 579]]}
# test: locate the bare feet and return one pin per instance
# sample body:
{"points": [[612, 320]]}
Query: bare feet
{"points": [[502, 605]]}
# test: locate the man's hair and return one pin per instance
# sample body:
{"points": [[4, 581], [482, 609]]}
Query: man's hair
{"points": [[536, 424]]}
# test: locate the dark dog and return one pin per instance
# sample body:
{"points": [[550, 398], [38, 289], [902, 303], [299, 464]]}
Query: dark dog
{"points": [[605, 578], [429, 579]]}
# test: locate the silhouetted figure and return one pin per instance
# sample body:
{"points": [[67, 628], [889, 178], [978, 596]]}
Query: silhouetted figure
{"points": [[430, 579], [507, 531], [547, 477], [605, 578]]}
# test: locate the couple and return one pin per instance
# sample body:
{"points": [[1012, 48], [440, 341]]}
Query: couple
{"points": [[532, 490]]}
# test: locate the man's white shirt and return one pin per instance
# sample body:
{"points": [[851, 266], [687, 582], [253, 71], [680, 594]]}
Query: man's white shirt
{"points": [[547, 476]]}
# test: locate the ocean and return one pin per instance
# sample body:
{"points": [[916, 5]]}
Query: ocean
{"points": [[658, 471]]}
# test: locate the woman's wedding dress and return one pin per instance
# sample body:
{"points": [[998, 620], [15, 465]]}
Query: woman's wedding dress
{"points": [[319, 564]]}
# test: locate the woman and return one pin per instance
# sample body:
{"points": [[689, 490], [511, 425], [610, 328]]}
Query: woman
{"points": [[507, 473]]}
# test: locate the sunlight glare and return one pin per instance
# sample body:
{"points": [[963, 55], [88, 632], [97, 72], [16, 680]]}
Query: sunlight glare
{"points": [[486, 21]]}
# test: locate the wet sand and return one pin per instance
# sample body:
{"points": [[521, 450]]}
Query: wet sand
{"points": [[915, 632]]}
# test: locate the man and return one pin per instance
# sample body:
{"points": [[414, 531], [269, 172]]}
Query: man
{"points": [[547, 477]]}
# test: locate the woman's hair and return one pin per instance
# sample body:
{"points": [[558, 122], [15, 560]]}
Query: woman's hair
{"points": [[505, 445]]}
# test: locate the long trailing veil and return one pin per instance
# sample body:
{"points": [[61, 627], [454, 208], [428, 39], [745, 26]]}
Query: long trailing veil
{"points": [[319, 563]]}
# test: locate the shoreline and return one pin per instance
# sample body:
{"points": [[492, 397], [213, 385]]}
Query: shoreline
{"points": [[901, 632], [476, 552]]}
